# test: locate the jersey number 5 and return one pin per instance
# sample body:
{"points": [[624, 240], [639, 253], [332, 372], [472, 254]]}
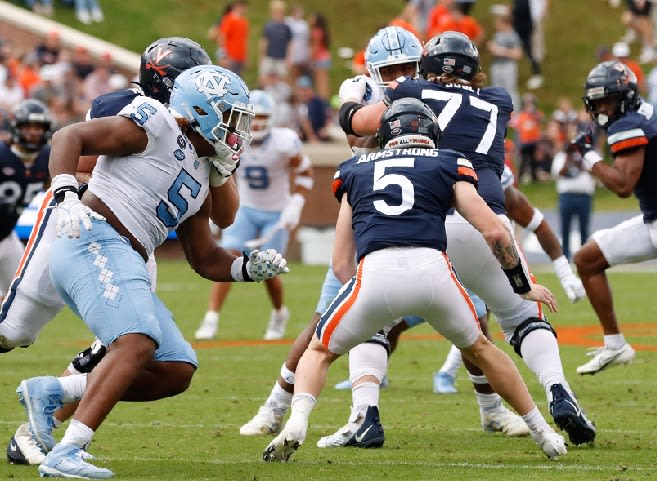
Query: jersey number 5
{"points": [[383, 180]]}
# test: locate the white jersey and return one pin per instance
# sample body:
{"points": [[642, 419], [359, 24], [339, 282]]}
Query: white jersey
{"points": [[177, 180], [263, 179]]}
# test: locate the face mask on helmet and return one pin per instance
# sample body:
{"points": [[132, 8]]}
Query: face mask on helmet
{"points": [[26, 115], [263, 108], [164, 60], [408, 122], [216, 103], [610, 92], [392, 46], [451, 53]]}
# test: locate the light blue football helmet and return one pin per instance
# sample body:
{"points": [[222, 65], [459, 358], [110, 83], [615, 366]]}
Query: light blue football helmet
{"points": [[391, 46], [263, 108], [216, 102]]}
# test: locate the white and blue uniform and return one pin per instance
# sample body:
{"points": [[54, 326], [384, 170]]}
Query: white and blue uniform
{"points": [[263, 182], [99, 275], [634, 129], [32, 300], [400, 241]]}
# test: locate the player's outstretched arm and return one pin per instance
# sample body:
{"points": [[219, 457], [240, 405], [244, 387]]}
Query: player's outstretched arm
{"points": [[473, 208]]}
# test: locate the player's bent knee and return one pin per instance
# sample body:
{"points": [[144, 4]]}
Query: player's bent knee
{"points": [[529, 325]]}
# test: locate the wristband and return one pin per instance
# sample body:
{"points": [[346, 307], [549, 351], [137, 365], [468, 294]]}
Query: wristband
{"points": [[216, 179], [518, 279], [537, 218], [61, 184], [590, 159], [347, 111], [238, 269]]}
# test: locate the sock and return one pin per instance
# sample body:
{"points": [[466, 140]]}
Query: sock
{"points": [[453, 361], [302, 404], [535, 420], [365, 394], [279, 397], [540, 352], [211, 317], [614, 341], [77, 434], [488, 402], [73, 386]]}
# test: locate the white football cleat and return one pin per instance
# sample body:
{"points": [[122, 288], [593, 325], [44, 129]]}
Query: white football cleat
{"points": [[550, 442], [208, 329], [288, 441], [604, 357], [277, 324], [23, 448], [503, 420], [268, 421]]}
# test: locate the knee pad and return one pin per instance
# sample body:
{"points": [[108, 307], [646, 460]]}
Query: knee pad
{"points": [[529, 325], [86, 360], [381, 338], [367, 359]]}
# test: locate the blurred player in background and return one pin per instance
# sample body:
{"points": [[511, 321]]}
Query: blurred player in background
{"points": [[270, 208], [23, 174]]}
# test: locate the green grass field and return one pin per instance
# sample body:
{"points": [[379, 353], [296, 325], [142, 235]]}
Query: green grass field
{"points": [[195, 436]]}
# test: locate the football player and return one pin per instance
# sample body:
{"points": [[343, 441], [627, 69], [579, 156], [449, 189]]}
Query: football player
{"points": [[473, 120], [23, 174], [98, 260], [398, 237], [270, 207], [33, 301], [612, 99]]}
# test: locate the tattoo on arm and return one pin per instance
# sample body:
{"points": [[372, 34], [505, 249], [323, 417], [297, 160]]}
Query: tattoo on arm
{"points": [[506, 254]]}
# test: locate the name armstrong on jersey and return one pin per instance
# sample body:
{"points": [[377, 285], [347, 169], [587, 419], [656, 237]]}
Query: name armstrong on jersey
{"points": [[384, 154]]}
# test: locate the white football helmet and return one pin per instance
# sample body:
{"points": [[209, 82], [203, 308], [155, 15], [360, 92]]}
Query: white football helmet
{"points": [[263, 107], [391, 46]]}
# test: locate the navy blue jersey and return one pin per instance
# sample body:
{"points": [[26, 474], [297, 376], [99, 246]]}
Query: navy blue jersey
{"points": [[473, 121], [110, 104], [19, 184], [400, 197], [639, 129]]}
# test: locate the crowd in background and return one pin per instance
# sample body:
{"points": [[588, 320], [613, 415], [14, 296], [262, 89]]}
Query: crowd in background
{"points": [[294, 60]]}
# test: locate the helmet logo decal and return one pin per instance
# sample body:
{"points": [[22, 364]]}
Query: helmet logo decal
{"points": [[212, 83], [160, 54]]}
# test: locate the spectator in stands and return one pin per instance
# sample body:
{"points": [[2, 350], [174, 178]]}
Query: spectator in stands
{"points": [[406, 19], [621, 51], [88, 11], [538, 10], [49, 85], [81, 63], [11, 93], [312, 112], [524, 25], [458, 20], [528, 126], [419, 12], [27, 72], [231, 36], [275, 42], [47, 51], [436, 14], [566, 117], [637, 17], [320, 54], [299, 45], [506, 49]]}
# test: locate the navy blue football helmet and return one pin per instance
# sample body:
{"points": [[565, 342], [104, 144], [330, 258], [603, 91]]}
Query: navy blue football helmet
{"points": [[408, 122], [450, 53], [610, 84], [31, 111]]}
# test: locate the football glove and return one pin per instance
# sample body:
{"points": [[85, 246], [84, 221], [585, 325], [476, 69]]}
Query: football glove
{"points": [[291, 213], [355, 89], [571, 284], [583, 143], [265, 265], [70, 212], [226, 167]]}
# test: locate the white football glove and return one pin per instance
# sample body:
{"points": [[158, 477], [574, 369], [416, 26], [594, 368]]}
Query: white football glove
{"points": [[355, 89], [291, 213], [571, 284], [70, 212], [226, 166], [265, 265]]}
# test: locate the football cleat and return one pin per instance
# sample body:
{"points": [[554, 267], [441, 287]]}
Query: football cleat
{"points": [[68, 461], [550, 442], [268, 421], [346, 384], [288, 441], [23, 448], [41, 397], [207, 330], [444, 383], [368, 434], [277, 324], [569, 417], [604, 357], [504, 421]]}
